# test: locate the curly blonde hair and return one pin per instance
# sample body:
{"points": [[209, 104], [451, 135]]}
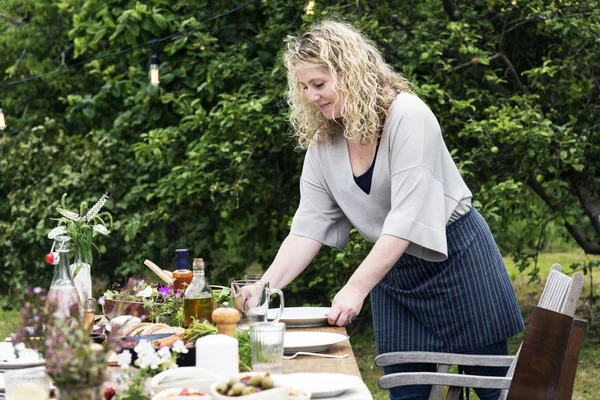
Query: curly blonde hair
{"points": [[368, 84]]}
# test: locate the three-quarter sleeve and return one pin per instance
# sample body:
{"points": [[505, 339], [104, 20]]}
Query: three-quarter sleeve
{"points": [[318, 216], [418, 212]]}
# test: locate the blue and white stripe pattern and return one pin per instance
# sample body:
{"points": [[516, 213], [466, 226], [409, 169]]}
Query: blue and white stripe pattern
{"points": [[461, 304]]}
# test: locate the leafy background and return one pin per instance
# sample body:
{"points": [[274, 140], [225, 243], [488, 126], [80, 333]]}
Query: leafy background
{"points": [[206, 160]]}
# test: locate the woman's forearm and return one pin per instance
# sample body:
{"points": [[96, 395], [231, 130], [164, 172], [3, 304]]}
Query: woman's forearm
{"points": [[386, 251], [294, 255]]}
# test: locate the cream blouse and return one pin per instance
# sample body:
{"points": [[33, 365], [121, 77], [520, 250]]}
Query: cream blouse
{"points": [[416, 189]]}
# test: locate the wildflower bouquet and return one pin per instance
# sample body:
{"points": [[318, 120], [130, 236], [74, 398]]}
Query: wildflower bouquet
{"points": [[72, 359], [133, 384], [82, 227]]}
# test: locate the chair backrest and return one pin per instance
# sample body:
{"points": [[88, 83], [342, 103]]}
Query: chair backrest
{"points": [[560, 294]]}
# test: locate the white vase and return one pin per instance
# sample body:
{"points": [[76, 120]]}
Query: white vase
{"points": [[83, 280]]}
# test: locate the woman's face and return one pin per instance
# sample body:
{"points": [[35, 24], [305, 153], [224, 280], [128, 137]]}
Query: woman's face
{"points": [[318, 85]]}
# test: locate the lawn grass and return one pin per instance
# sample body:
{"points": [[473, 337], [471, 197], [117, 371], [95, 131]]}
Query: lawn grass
{"points": [[9, 321]]}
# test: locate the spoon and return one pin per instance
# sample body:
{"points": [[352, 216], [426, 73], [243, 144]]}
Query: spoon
{"points": [[304, 353]]}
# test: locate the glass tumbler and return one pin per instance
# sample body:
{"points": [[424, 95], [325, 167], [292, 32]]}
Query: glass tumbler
{"points": [[266, 344], [27, 384], [89, 314]]}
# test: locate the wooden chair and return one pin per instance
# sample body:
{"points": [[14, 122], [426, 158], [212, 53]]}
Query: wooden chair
{"points": [[560, 296]]}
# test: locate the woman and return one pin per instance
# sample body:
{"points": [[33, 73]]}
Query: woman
{"points": [[376, 161]]}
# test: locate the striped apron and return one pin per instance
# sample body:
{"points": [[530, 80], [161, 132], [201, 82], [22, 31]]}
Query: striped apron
{"points": [[461, 304]]}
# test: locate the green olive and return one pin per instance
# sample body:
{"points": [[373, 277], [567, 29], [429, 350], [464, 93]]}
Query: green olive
{"points": [[232, 381], [267, 383], [237, 388], [221, 387], [256, 380], [248, 390]]}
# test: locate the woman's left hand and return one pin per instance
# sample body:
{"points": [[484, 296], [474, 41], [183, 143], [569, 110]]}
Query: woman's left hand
{"points": [[346, 305]]}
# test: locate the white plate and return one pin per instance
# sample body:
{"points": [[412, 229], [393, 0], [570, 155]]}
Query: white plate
{"points": [[8, 360], [320, 385], [302, 316], [4, 366], [310, 341]]}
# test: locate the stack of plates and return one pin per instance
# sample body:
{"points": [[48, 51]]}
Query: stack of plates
{"points": [[302, 317], [10, 362]]}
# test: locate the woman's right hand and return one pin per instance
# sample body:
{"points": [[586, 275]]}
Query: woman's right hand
{"points": [[346, 306]]}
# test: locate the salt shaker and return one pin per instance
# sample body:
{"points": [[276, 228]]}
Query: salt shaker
{"points": [[218, 353]]}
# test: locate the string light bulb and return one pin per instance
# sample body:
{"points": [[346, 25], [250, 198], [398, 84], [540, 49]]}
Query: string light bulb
{"points": [[310, 7], [2, 120], [154, 78]]}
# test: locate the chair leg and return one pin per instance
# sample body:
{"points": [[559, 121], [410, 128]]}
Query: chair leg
{"points": [[436, 390], [453, 393]]}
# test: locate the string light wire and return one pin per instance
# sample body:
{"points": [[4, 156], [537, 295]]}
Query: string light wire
{"points": [[152, 42]]}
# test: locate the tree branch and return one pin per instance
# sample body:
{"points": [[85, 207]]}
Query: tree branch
{"points": [[451, 10], [576, 231], [514, 73], [590, 201]]}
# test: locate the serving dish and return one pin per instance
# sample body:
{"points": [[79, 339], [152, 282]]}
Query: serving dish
{"points": [[114, 308], [175, 394], [185, 377], [279, 392]]}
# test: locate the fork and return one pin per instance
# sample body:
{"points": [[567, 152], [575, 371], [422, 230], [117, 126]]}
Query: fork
{"points": [[304, 353]]}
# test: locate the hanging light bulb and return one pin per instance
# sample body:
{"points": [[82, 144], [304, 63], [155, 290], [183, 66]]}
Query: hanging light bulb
{"points": [[154, 79], [2, 120], [310, 7]]}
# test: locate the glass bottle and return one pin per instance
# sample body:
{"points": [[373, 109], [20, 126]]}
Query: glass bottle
{"points": [[62, 295], [198, 298], [182, 275]]}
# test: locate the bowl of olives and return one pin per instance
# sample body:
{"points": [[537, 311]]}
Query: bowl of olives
{"points": [[250, 386]]}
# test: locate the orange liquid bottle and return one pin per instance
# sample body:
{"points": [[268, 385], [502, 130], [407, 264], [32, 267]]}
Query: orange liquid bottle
{"points": [[182, 275]]}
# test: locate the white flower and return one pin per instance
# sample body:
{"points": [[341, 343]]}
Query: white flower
{"points": [[143, 348], [94, 210], [58, 231], [101, 229], [179, 347], [124, 359], [68, 214], [145, 293]]}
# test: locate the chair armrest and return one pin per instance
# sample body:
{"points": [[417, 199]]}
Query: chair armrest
{"points": [[403, 357], [444, 379]]}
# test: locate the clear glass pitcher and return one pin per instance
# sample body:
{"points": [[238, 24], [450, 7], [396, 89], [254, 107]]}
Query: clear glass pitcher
{"points": [[252, 301]]}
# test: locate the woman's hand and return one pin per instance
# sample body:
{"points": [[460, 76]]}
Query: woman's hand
{"points": [[346, 305]]}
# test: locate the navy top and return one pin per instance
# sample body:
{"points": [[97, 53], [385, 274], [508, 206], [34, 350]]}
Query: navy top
{"points": [[364, 181]]}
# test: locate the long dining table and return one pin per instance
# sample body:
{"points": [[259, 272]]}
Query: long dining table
{"points": [[315, 364]]}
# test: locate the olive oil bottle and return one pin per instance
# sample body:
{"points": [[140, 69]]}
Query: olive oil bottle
{"points": [[198, 297]]}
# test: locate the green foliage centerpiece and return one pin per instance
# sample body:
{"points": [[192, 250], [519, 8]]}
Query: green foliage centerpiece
{"points": [[82, 228]]}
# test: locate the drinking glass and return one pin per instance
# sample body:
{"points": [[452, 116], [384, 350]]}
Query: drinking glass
{"points": [[89, 314], [266, 344], [252, 301], [27, 384]]}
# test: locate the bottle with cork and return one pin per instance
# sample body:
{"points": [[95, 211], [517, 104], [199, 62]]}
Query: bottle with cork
{"points": [[182, 276], [198, 298]]}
